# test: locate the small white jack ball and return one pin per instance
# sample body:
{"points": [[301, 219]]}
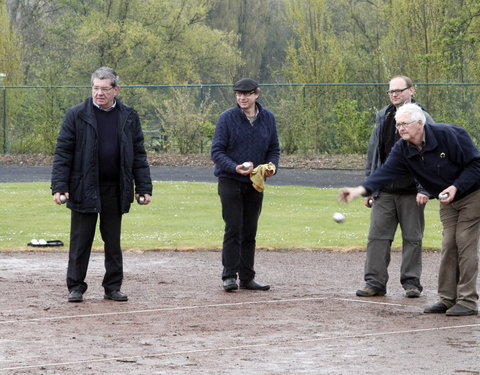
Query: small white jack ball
{"points": [[247, 165], [63, 198], [443, 196], [141, 199], [338, 217]]}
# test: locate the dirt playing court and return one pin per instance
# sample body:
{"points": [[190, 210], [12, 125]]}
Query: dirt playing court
{"points": [[179, 320]]}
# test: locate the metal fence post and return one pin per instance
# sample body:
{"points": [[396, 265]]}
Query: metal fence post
{"points": [[4, 121]]}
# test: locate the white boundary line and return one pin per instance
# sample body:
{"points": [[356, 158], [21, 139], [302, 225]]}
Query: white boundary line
{"points": [[195, 307], [239, 347]]}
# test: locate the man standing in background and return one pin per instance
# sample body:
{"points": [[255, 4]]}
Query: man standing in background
{"points": [[400, 202], [99, 160]]}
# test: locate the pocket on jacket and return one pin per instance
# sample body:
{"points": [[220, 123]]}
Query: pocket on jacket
{"points": [[75, 188]]}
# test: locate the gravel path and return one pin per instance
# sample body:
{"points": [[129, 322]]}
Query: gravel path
{"points": [[323, 178]]}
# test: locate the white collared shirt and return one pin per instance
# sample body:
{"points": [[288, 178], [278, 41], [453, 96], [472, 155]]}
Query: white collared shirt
{"points": [[103, 109]]}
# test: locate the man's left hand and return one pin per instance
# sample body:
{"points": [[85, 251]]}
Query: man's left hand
{"points": [[148, 198], [422, 199], [450, 191]]}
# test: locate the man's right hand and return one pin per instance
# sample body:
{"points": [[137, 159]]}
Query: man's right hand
{"points": [[57, 195], [368, 201], [349, 194], [244, 171]]}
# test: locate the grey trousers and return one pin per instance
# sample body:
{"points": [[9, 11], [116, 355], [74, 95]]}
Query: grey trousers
{"points": [[457, 276], [388, 211]]}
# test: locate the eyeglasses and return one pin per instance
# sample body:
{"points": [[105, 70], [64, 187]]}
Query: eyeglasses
{"points": [[399, 91], [243, 93], [102, 89], [404, 124]]}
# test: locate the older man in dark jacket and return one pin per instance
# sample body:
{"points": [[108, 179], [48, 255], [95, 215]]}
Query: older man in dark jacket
{"points": [[99, 158], [446, 162]]}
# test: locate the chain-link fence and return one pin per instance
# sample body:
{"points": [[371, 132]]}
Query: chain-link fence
{"points": [[311, 118]]}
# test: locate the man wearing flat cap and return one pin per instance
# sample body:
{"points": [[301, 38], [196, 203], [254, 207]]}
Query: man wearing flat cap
{"points": [[245, 140]]}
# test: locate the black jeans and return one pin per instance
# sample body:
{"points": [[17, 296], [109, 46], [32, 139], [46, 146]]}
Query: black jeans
{"points": [[82, 233], [241, 207]]}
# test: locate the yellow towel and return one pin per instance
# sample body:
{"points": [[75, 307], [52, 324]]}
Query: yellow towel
{"points": [[258, 175]]}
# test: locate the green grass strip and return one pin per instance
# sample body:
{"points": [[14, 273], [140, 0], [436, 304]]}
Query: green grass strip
{"points": [[185, 215]]}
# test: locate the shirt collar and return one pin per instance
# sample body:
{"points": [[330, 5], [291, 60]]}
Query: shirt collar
{"points": [[424, 141], [103, 109]]}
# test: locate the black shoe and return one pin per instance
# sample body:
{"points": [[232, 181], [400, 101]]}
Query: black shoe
{"points": [[116, 295], [412, 292], [370, 292], [253, 285], [436, 308], [230, 284], [75, 296], [460, 310]]}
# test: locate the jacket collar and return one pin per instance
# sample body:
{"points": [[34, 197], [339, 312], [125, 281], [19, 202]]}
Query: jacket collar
{"points": [[430, 142], [103, 109], [258, 105], [86, 112]]}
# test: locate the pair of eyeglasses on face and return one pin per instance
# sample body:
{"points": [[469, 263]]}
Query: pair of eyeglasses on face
{"points": [[399, 91], [102, 89], [244, 93], [404, 124]]}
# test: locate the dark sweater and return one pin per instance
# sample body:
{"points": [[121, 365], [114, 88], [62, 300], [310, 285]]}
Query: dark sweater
{"points": [[108, 147], [236, 141]]}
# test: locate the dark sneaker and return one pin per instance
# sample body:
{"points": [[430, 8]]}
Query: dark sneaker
{"points": [[460, 310], [412, 292], [370, 292]]}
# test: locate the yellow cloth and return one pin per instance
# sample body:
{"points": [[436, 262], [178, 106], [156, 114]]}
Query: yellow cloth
{"points": [[258, 175]]}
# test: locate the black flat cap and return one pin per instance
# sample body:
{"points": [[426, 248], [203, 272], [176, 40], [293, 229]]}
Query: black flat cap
{"points": [[245, 84]]}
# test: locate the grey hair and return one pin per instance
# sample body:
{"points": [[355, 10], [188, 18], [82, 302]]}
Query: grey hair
{"points": [[415, 112], [106, 73]]}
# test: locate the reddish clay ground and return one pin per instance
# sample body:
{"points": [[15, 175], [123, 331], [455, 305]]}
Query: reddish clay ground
{"points": [[179, 321]]}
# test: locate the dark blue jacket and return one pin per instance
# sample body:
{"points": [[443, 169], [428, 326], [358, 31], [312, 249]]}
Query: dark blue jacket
{"points": [[75, 165], [449, 157], [401, 184], [236, 141]]}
